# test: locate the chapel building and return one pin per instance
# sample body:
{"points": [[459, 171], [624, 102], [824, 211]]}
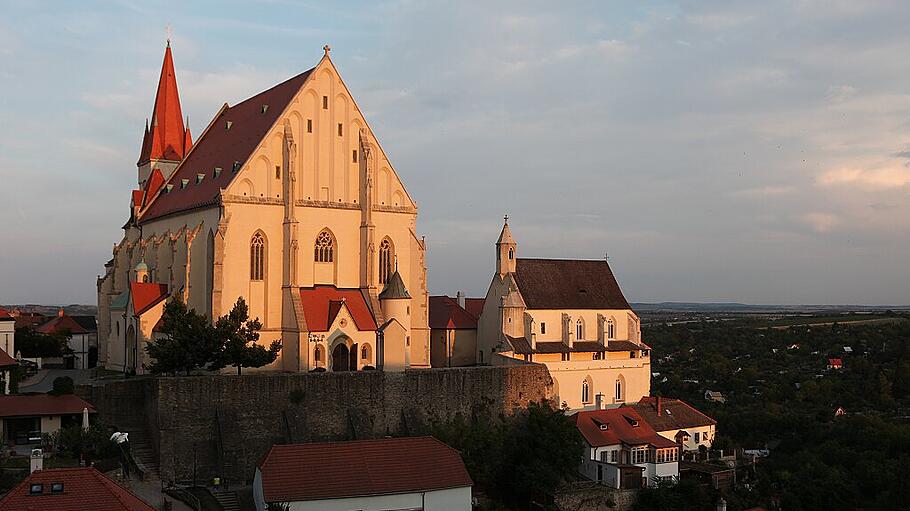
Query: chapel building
{"points": [[571, 316], [287, 200]]}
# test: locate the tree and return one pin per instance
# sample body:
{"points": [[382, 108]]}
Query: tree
{"points": [[33, 344], [237, 335], [62, 385], [189, 343]]}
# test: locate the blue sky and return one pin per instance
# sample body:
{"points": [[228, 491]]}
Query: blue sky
{"points": [[718, 151]]}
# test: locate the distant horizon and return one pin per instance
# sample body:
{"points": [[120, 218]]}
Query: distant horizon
{"points": [[713, 150]]}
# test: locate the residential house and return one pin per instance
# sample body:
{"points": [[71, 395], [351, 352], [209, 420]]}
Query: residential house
{"points": [[835, 363], [7, 349], [623, 451], [23, 418], [82, 338], [71, 489], [453, 330], [676, 420], [368, 475], [715, 397]]}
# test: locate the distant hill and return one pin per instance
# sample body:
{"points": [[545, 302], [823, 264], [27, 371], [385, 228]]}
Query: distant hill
{"points": [[51, 310], [747, 308]]}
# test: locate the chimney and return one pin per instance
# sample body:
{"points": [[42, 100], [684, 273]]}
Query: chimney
{"points": [[60, 312], [659, 408], [36, 461], [599, 402], [460, 297]]}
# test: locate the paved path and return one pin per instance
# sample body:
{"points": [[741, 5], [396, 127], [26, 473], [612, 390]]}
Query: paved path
{"points": [[150, 492], [46, 384]]}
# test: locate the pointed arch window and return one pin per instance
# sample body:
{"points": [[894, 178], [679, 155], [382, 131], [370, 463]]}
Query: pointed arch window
{"points": [[611, 329], [579, 330], [257, 257], [585, 391], [324, 250], [317, 355], [386, 260]]}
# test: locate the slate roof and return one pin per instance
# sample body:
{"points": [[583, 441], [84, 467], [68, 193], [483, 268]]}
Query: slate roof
{"points": [[676, 414], [387, 466], [623, 426], [34, 405], [221, 147], [445, 313], [568, 284], [83, 489], [86, 322], [394, 288], [321, 305]]}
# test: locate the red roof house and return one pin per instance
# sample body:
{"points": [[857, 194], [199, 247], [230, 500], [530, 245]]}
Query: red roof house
{"points": [[420, 468], [40, 405], [321, 305], [71, 489], [835, 363]]}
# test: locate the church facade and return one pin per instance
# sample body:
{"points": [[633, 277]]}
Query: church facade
{"points": [[287, 200], [571, 316]]}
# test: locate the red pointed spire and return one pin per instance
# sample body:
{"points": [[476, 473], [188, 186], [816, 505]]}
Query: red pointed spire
{"points": [[167, 138]]}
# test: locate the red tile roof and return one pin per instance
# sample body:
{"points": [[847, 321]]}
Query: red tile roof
{"points": [[6, 360], [168, 138], [152, 185], [221, 147], [5, 315], [675, 414], [322, 303], [474, 306], [34, 405], [61, 325], [301, 472], [445, 313], [84, 489], [835, 362], [145, 295], [624, 426], [568, 284]]}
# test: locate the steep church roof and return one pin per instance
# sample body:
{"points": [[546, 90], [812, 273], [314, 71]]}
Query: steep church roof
{"points": [[167, 138], [568, 284], [322, 303], [226, 144], [394, 288]]}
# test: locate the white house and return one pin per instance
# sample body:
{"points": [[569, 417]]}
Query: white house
{"points": [[81, 338], [623, 451], [23, 418], [676, 420], [367, 475], [7, 349]]}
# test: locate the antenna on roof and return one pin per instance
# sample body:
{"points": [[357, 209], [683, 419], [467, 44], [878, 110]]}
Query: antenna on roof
{"points": [[167, 32], [606, 256]]}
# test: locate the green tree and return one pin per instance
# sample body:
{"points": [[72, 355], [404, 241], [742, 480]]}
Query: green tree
{"points": [[237, 335], [63, 385], [189, 342], [33, 344]]}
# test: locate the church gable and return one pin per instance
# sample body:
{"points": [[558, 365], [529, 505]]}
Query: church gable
{"points": [[241, 150]]}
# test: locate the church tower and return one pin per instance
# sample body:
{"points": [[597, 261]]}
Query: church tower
{"points": [[506, 249], [167, 139]]}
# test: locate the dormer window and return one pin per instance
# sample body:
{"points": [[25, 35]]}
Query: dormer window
{"points": [[217, 172], [632, 422], [168, 188], [56, 487], [35, 489], [228, 125], [265, 108], [236, 166], [183, 183], [199, 178]]}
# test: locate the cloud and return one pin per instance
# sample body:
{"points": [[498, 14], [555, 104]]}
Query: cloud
{"points": [[821, 223], [719, 21], [764, 191], [891, 176]]}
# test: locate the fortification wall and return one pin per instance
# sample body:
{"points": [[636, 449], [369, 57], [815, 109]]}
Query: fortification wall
{"points": [[222, 425]]}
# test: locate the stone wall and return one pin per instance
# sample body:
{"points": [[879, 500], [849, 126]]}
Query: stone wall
{"points": [[222, 425]]}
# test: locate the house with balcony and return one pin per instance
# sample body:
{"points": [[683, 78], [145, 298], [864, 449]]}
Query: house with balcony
{"points": [[623, 451], [569, 315]]}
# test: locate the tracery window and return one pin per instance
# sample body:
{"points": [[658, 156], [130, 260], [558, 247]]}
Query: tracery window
{"points": [[257, 257], [585, 391], [386, 258], [579, 330], [611, 329], [324, 251]]}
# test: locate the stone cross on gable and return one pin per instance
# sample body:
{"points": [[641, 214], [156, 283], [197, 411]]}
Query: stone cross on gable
{"points": [[326, 49]]}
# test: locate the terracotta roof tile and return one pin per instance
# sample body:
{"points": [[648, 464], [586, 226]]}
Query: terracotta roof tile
{"points": [[359, 468], [6, 360], [676, 414], [83, 489], [221, 147], [568, 284], [146, 295], [5, 315], [445, 313], [61, 325], [33, 405], [167, 137], [322, 303], [474, 306], [623, 426]]}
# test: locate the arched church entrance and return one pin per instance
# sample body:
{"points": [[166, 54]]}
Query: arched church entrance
{"points": [[341, 359]]}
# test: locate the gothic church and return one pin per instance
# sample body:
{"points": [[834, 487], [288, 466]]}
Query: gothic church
{"points": [[287, 200]]}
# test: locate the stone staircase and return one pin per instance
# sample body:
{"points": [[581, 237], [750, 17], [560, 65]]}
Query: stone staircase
{"points": [[143, 452], [228, 500]]}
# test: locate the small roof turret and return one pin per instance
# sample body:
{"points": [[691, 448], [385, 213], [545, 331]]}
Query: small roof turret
{"points": [[394, 289]]}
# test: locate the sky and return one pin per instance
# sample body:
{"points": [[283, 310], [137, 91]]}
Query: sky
{"points": [[740, 151]]}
